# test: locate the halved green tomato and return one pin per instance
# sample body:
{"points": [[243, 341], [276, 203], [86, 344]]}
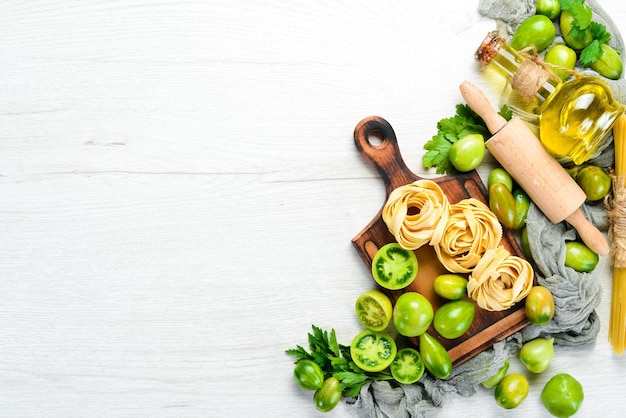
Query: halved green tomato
{"points": [[373, 351], [374, 310], [407, 367], [394, 267]]}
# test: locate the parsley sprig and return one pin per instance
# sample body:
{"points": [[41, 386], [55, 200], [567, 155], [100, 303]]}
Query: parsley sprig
{"points": [[583, 25], [450, 130], [335, 360]]}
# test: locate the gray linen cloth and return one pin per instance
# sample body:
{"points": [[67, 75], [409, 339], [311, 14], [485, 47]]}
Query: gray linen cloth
{"points": [[575, 325]]}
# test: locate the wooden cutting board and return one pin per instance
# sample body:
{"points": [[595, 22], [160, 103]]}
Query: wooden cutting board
{"points": [[383, 153]]}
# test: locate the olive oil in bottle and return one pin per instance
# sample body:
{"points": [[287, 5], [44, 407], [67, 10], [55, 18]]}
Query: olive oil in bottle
{"points": [[574, 117]]}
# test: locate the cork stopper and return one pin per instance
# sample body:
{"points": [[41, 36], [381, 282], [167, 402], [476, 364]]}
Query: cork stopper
{"points": [[489, 48]]}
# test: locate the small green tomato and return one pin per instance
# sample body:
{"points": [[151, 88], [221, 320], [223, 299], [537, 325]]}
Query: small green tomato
{"points": [[467, 152], [537, 354], [328, 396], [539, 305], [511, 391], [537, 30], [580, 257], [562, 56], [548, 8], [563, 395], [594, 181]]}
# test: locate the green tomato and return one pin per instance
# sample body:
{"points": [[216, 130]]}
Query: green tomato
{"points": [[573, 38], [502, 204], [609, 64], [537, 30], [374, 310], [373, 351], [328, 396], [309, 374], [467, 153], [525, 244], [522, 205], [580, 257], [412, 314], [511, 391], [549, 8], [394, 267], [563, 56], [539, 305], [450, 286], [435, 356], [454, 318], [500, 175], [595, 182], [563, 395], [497, 378], [407, 367], [537, 354]]}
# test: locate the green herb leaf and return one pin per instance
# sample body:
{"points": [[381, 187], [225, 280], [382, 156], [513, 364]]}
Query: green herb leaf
{"points": [[449, 130], [592, 52]]}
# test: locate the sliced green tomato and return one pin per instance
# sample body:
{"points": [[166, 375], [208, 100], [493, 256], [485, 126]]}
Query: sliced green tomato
{"points": [[374, 310], [394, 267], [407, 367], [373, 351]]}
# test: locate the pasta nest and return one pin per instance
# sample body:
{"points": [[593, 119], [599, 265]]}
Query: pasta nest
{"points": [[500, 280], [415, 212], [471, 229]]}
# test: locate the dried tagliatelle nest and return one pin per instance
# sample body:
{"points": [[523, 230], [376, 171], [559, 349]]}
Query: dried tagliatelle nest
{"points": [[470, 231], [500, 280], [413, 213]]}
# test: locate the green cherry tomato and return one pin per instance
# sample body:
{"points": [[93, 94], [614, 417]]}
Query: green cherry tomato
{"points": [[549, 8], [537, 354], [450, 286], [609, 64], [500, 175], [594, 181], [539, 305], [537, 30], [522, 204], [502, 204], [525, 244], [394, 267], [412, 314], [497, 378], [454, 318], [467, 153], [580, 257], [407, 367], [511, 391], [574, 39], [309, 374], [374, 310], [373, 351], [328, 396], [563, 395], [435, 356], [563, 56]]}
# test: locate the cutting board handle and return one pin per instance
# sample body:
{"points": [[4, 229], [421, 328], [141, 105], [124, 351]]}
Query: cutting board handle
{"points": [[384, 154]]}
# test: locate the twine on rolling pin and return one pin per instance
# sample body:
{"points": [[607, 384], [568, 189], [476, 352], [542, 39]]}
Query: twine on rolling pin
{"points": [[533, 72], [616, 213]]}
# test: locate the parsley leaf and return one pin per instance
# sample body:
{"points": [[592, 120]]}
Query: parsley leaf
{"points": [[592, 52]]}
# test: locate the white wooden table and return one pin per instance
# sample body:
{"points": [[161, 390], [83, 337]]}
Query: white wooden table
{"points": [[179, 187]]}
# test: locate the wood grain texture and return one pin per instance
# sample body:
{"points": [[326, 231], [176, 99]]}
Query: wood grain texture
{"points": [[180, 188]]}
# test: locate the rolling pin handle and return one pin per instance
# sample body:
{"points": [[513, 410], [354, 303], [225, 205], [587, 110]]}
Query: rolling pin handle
{"points": [[590, 235], [479, 103]]}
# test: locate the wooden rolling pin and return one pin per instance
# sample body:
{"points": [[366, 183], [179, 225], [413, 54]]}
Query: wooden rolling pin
{"points": [[545, 181]]}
